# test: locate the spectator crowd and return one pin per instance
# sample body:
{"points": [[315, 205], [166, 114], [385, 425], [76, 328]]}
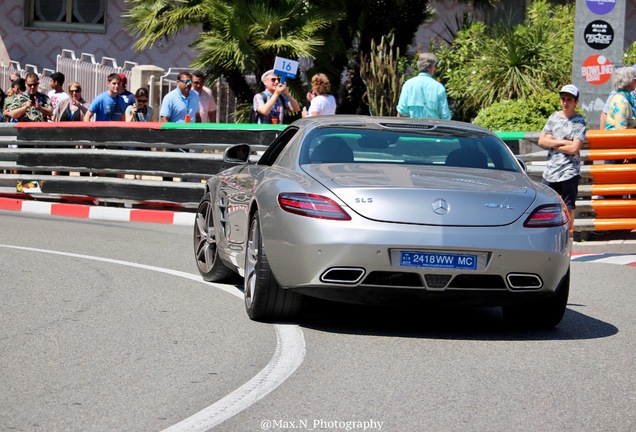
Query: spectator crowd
{"points": [[191, 101]]}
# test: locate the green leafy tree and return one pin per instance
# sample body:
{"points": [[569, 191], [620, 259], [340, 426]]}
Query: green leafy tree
{"points": [[238, 37], [629, 57], [485, 65], [366, 21], [241, 37]]}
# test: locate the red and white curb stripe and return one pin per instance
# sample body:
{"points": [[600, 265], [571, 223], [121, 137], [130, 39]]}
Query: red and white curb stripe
{"points": [[95, 212]]}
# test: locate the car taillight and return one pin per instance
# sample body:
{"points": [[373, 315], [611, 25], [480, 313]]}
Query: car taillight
{"points": [[311, 205], [549, 215]]}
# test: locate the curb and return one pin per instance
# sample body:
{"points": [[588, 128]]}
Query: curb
{"points": [[98, 213]]}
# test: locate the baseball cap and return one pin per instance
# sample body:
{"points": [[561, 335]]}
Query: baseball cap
{"points": [[266, 74], [124, 81], [570, 89]]}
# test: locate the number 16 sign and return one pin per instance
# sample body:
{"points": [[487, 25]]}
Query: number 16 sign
{"points": [[285, 68]]}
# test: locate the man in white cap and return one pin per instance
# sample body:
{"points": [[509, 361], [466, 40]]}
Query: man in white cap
{"points": [[271, 104], [563, 136]]}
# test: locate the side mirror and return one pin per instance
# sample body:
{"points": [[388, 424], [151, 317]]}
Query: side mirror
{"points": [[237, 154], [523, 164]]}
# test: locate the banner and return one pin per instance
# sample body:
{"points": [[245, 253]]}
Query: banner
{"points": [[599, 35]]}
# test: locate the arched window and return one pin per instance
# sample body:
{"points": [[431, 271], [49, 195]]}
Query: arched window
{"points": [[76, 15]]}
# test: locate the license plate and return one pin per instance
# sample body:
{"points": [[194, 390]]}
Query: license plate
{"points": [[438, 260]]}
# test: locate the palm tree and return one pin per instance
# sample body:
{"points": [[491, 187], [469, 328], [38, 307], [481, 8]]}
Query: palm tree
{"points": [[242, 37], [239, 37]]}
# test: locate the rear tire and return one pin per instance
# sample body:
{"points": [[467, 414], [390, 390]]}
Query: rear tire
{"points": [[206, 251], [543, 313], [265, 300]]}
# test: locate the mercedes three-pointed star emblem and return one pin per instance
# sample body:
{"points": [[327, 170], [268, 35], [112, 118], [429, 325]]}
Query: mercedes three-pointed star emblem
{"points": [[440, 207]]}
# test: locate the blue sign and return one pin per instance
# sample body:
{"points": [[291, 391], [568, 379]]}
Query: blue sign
{"points": [[285, 68]]}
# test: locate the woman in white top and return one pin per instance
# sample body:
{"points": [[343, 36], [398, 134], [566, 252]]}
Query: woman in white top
{"points": [[322, 103]]}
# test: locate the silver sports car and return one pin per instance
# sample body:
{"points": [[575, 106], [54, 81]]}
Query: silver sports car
{"points": [[379, 209]]}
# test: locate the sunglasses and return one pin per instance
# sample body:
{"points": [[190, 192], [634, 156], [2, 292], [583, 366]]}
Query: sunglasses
{"points": [[142, 100], [275, 79], [33, 85], [186, 81], [76, 90]]}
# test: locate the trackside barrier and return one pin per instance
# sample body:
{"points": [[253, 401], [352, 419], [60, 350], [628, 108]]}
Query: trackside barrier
{"points": [[69, 147], [603, 203], [114, 153]]}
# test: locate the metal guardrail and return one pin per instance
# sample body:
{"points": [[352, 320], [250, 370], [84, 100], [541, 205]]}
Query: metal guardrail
{"points": [[92, 74], [191, 153], [171, 161], [604, 201]]}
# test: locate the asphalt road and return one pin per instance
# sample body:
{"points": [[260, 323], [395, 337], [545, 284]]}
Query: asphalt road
{"points": [[106, 326]]}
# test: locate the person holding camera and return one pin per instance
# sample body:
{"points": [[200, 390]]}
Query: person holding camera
{"points": [[140, 111], [31, 106]]}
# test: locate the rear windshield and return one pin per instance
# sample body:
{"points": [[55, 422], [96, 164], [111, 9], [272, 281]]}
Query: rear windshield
{"points": [[444, 147]]}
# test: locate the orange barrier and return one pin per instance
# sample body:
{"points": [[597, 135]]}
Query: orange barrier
{"points": [[611, 154], [614, 224], [611, 182], [611, 139], [614, 208], [613, 189], [613, 174]]}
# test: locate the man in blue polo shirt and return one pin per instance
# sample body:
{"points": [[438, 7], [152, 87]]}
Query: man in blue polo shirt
{"points": [[109, 105], [181, 104]]}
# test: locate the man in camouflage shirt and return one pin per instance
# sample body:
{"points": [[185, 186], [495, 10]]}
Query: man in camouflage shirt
{"points": [[31, 106], [563, 136]]}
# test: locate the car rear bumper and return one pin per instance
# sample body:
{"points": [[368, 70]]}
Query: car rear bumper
{"points": [[343, 258]]}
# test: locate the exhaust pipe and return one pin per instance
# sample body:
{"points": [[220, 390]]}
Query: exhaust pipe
{"points": [[524, 281], [343, 275]]}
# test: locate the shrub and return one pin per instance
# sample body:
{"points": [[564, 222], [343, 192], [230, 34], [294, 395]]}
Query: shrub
{"points": [[519, 115], [485, 66]]}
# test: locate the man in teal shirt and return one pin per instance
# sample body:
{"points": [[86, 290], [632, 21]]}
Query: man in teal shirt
{"points": [[422, 96]]}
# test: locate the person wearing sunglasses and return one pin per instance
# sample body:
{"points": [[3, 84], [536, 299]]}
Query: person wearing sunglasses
{"points": [[140, 111], [271, 104], [181, 105], [31, 106], [207, 104], [72, 109]]}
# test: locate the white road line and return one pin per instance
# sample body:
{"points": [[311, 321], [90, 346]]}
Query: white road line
{"points": [[289, 355]]}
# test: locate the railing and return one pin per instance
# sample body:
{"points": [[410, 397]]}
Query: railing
{"points": [[171, 175], [47, 147], [92, 76], [603, 202]]}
